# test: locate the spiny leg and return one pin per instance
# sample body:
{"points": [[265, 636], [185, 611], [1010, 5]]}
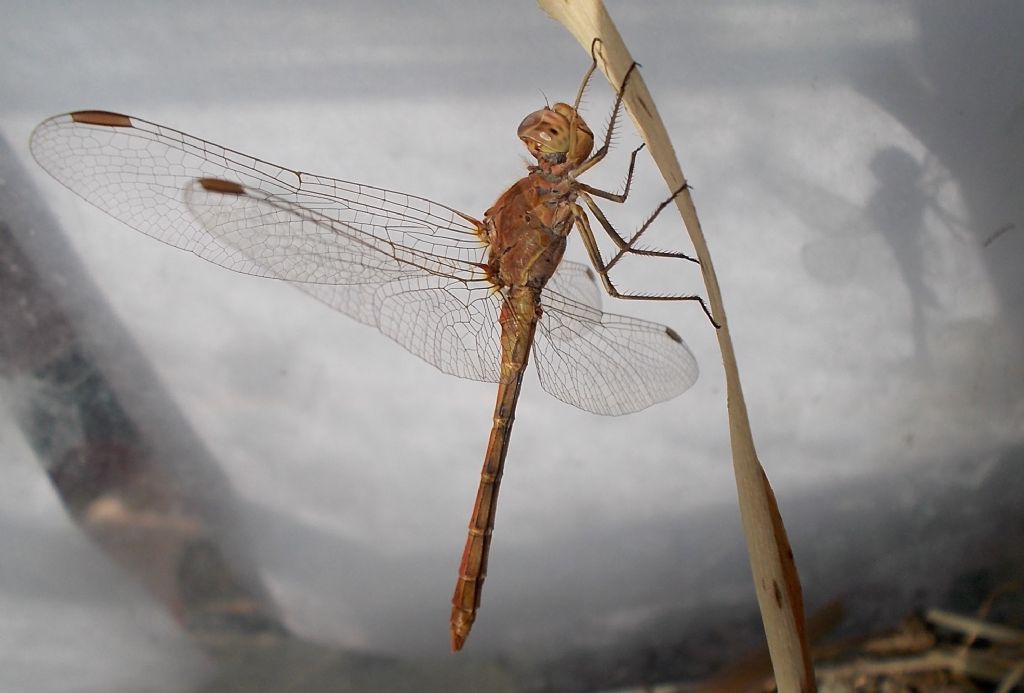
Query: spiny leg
{"points": [[603, 151], [614, 197], [600, 154], [628, 246], [587, 75], [590, 243], [583, 87], [583, 223], [625, 246]]}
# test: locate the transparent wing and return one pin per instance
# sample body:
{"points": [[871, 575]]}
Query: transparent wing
{"points": [[405, 264], [446, 319], [605, 363], [576, 282], [137, 172]]}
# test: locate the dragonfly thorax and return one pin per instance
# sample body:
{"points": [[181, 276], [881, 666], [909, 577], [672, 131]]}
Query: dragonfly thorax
{"points": [[556, 135]]}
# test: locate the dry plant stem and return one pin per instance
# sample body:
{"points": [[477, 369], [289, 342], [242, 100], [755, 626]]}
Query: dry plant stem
{"points": [[983, 666], [775, 578], [1011, 679], [973, 628], [986, 606]]}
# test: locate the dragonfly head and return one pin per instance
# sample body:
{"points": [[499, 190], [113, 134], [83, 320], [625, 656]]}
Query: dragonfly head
{"points": [[555, 133]]}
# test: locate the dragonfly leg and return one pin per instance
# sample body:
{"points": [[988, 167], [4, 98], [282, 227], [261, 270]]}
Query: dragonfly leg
{"points": [[589, 73], [603, 268], [629, 246], [605, 146], [600, 154], [614, 197]]}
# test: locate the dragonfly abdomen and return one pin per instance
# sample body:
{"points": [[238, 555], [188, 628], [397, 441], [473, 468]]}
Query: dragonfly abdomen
{"points": [[519, 315]]}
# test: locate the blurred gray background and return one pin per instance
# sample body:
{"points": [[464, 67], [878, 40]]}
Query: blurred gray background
{"points": [[858, 171]]}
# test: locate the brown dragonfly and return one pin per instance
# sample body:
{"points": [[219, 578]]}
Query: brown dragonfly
{"points": [[472, 297]]}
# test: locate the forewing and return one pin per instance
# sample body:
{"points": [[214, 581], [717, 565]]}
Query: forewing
{"points": [[137, 172], [402, 263], [605, 363]]}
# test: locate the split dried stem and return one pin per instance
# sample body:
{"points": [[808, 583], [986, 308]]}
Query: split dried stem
{"points": [[775, 577]]}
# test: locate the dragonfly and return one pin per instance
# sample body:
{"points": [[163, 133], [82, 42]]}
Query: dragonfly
{"points": [[474, 297]]}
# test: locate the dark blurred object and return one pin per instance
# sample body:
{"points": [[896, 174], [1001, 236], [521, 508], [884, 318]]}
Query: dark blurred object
{"points": [[120, 455]]}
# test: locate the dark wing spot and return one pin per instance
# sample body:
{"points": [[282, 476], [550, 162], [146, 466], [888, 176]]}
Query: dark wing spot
{"points": [[673, 335], [219, 185], [104, 118]]}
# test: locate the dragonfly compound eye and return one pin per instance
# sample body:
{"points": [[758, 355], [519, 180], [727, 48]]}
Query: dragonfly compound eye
{"points": [[582, 142], [545, 132], [557, 130]]}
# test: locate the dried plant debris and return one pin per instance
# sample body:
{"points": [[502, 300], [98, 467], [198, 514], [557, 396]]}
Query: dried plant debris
{"points": [[938, 651], [935, 652]]}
